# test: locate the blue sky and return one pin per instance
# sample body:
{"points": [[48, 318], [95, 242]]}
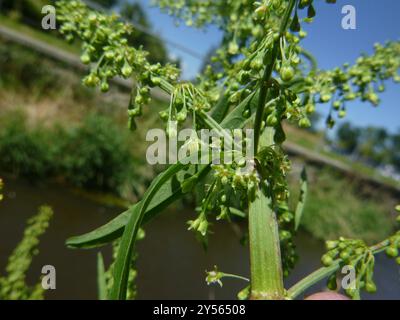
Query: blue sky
{"points": [[377, 21]]}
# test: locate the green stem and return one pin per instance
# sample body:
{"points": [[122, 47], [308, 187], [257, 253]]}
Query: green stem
{"points": [[268, 73], [265, 255]]}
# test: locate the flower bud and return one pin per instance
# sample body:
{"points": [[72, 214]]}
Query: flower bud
{"points": [[370, 287], [286, 73], [304, 123], [326, 260], [392, 252], [126, 70]]}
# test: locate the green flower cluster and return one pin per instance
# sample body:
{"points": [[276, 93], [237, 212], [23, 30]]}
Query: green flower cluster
{"points": [[356, 254], [105, 45], [13, 286], [185, 98], [286, 236], [363, 80]]}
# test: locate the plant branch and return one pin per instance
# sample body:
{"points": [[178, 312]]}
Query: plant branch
{"points": [[268, 73], [324, 272]]}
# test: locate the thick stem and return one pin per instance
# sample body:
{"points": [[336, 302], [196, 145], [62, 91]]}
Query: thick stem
{"points": [[265, 254]]}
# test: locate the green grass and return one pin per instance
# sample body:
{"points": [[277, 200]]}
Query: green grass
{"points": [[336, 206], [48, 37]]}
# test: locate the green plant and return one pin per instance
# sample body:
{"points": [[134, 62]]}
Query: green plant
{"points": [[13, 286], [94, 154], [262, 83]]}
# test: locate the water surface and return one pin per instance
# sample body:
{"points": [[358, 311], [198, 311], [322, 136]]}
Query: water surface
{"points": [[171, 261]]}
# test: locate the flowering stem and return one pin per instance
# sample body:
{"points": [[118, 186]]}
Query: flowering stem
{"points": [[268, 73], [265, 254]]}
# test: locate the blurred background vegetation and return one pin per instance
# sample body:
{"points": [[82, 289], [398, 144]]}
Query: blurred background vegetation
{"points": [[52, 128]]}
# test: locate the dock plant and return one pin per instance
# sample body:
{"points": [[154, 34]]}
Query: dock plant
{"points": [[259, 78]]}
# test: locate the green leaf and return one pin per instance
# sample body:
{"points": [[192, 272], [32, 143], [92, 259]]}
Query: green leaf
{"points": [[302, 199], [101, 278], [168, 193], [122, 263], [234, 119], [221, 108]]}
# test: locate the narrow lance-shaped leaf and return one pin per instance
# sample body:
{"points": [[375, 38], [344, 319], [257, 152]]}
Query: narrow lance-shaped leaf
{"points": [[168, 193], [302, 199], [122, 263], [101, 278]]}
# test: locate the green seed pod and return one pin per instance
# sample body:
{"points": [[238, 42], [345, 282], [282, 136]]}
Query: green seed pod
{"points": [[370, 287], [85, 58], [392, 252], [272, 120], [104, 86], [155, 81], [246, 113], [163, 115], [397, 208], [398, 260], [342, 113], [286, 73], [109, 55], [326, 260], [257, 63], [345, 254], [224, 180], [325, 97], [233, 48], [182, 115], [331, 244], [310, 108], [91, 80], [126, 70], [304, 123], [336, 104], [302, 34]]}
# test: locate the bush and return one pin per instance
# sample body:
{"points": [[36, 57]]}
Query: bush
{"points": [[94, 154], [23, 152]]}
